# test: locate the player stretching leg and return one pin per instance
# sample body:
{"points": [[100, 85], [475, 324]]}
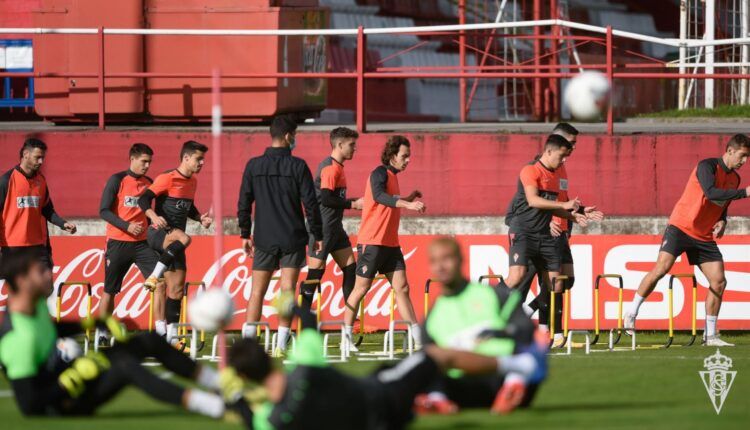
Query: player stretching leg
{"points": [[45, 384], [698, 219], [126, 230], [310, 393], [174, 192], [330, 187], [533, 207], [472, 317], [560, 229], [26, 206], [279, 185], [377, 243]]}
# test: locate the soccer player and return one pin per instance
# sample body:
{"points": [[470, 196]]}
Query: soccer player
{"points": [[533, 207], [26, 205], [698, 219], [313, 395], [45, 384], [280, 185], [126, 230], [484, 320], [561, 230], [330, 187], [174, 192], [377, 243]]}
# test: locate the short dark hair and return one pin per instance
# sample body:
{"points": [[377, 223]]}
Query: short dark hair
{"points": [[18, 263], [556, 141], [139, 149], [449, 242], [191, 147], [739, 141], [250, 360], [566, 128], [30, 144], [281, 125], [343, 133], [392, 145]]}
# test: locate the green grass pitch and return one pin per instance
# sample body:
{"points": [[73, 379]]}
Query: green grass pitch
{"points": [[622, 389]]}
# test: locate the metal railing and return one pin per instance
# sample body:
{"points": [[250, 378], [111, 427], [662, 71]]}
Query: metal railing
{"points": [[536, 70]]}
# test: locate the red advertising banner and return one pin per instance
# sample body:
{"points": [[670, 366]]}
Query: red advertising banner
{"points": [[82, 259]]}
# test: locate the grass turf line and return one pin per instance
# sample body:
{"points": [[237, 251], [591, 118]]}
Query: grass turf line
{"points": [[622, 389]]}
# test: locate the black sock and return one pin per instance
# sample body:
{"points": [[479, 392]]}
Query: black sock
{"points": [[173, 250], [350, 275], [558, 312], [172, 308], [308, 290]]}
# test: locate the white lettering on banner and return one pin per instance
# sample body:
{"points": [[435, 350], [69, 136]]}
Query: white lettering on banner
{"points": [[582, 294], [88, 263], [484, 259], [617, 260], [24, 202]]}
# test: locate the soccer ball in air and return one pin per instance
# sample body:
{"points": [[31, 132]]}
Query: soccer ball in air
{"points": [[587, 95], [211, 310]]}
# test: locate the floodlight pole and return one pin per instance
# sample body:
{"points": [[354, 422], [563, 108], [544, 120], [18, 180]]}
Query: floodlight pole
{"points": [[218, 191]]}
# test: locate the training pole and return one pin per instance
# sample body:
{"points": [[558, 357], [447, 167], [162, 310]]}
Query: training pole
{"points": [[217, 200]]}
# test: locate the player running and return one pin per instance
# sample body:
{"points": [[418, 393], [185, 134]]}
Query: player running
{"points": [[45, 384], [126, 230], [330, 187], [26, 205], [280, 185], [533, 207], [312, 395], [698, 219], [561, 230], [484, 320], [377, 243], [174, 192]]}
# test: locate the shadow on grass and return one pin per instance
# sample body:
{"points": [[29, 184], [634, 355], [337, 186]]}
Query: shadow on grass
{"points": [[600, 406]]}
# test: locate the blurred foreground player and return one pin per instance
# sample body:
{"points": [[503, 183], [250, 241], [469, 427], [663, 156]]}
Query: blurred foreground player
{"points": [[126, 230], [26, 205], [481, 319], [312, 395], [174, 192], [46, 382], [330, 187], [378, 245], [279, 185], [698, 219]]}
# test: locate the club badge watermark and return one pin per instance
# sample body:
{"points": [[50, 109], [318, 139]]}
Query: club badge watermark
{"points": [[717, 378]]}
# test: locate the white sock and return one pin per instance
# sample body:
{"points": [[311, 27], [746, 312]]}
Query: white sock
{"points": [[437, 396], [205, 403], [544, 327], [158, 270], [160, 327], [527, 310], [523, 364], [711, 325], [348, 330], [249, 332], [416, 333], [558, 336], [208, 377], [636, 306], [283, 335]]}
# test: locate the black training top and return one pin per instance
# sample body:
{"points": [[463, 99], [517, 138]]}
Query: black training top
{"points": [[280, 185]]}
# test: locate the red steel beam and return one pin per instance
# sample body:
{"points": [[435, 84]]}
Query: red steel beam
{"points": [[462, 60], [102, 108], [360, 112], [610, 76]]}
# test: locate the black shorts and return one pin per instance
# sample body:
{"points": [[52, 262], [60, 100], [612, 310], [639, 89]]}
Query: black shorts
{"points": [[155, 239], [120, 256], [332, 241], [374, 259], [563, 245], [676, 242], [540, 250], [46, 252], [269, 261]]}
